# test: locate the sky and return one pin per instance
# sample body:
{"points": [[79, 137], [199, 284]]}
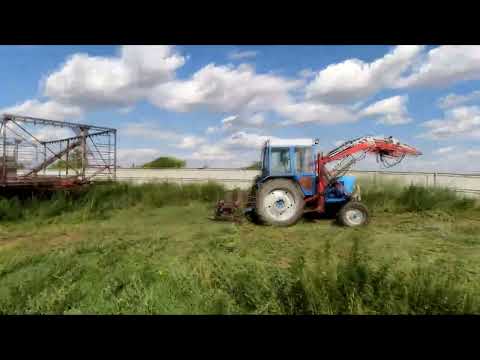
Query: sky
{"points": [[216, 105]]}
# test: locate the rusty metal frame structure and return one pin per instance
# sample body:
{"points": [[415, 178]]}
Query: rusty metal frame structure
{"points": [[96, 146]]}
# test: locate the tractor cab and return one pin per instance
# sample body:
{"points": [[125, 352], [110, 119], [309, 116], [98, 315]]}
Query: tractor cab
{"points": [[295, 159]]}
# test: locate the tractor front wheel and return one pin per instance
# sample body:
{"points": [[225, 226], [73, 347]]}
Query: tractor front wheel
{"points": [[280, 202], [353, 214]]}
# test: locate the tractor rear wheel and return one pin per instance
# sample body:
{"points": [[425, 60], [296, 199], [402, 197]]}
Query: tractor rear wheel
{"points": [[280, 202], [353, 214]]}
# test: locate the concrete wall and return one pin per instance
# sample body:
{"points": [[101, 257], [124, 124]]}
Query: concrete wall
{"points": [[468, 184], [233, 178]]}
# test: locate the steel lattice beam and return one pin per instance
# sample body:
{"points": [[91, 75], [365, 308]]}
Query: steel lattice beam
{"points": [[33, 120]]}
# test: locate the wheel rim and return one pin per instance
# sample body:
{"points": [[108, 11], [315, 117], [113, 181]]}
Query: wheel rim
{"points": [[355, 216], [280, 205]]}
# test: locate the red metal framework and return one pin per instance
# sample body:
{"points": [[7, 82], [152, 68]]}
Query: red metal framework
{"points": [[41, 153], [389, 151]]}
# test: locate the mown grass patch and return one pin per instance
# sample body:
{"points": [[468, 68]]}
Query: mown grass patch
{"points": [[151, 249]]}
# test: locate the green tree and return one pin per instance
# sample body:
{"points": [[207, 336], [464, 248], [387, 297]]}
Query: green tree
{"points": [[165, 162]]}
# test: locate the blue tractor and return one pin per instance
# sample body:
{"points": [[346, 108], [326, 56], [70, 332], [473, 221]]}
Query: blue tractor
{"points": [[295, 180]]}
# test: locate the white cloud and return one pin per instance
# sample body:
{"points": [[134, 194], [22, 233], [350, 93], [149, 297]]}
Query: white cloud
{"points": [[458, 162], [190, 142], [390, 111], [93, 81], [151, 64], [445, 65], [212, 152], [304, 112], [452, 100], [255, 120], [49, 133], [44, 133], [239, 149], [228, 121], [354, 79], [212, 130], [148, 72], [236, 122], [242, 139], [306, 73], [150, 131], [240, 55], [473, 153], [126, 110], [444, 150], [48, 110], [224, 88], [458, 122], [240, 90], [241, 146]]}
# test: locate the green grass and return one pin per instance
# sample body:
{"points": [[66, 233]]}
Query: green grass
{"points": [[395, 198], [99, 201], [151, 249]]}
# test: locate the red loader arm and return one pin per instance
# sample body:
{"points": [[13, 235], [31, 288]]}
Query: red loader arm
{"points": [[381, 146], [389, 152]]}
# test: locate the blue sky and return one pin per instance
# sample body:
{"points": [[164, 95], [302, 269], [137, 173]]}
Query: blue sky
{"points": [[214, 105]]}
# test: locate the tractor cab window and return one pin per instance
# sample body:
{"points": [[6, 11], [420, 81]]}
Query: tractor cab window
{"points": [[280, 161], [304, 159]]}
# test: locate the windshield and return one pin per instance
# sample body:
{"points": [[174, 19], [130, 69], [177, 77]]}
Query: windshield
{"points": [[304, 159]]}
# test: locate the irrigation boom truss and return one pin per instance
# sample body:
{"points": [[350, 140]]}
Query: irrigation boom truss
{"points": [[42, 153]]}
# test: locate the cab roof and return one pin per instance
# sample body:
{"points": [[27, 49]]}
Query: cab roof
{"points": [[291, 142]]}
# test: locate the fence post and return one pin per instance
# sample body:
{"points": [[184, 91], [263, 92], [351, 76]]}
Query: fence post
{"points": [[435, 178]]}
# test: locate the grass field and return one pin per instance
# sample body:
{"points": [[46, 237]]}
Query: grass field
{"points": [[151, 249]]}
